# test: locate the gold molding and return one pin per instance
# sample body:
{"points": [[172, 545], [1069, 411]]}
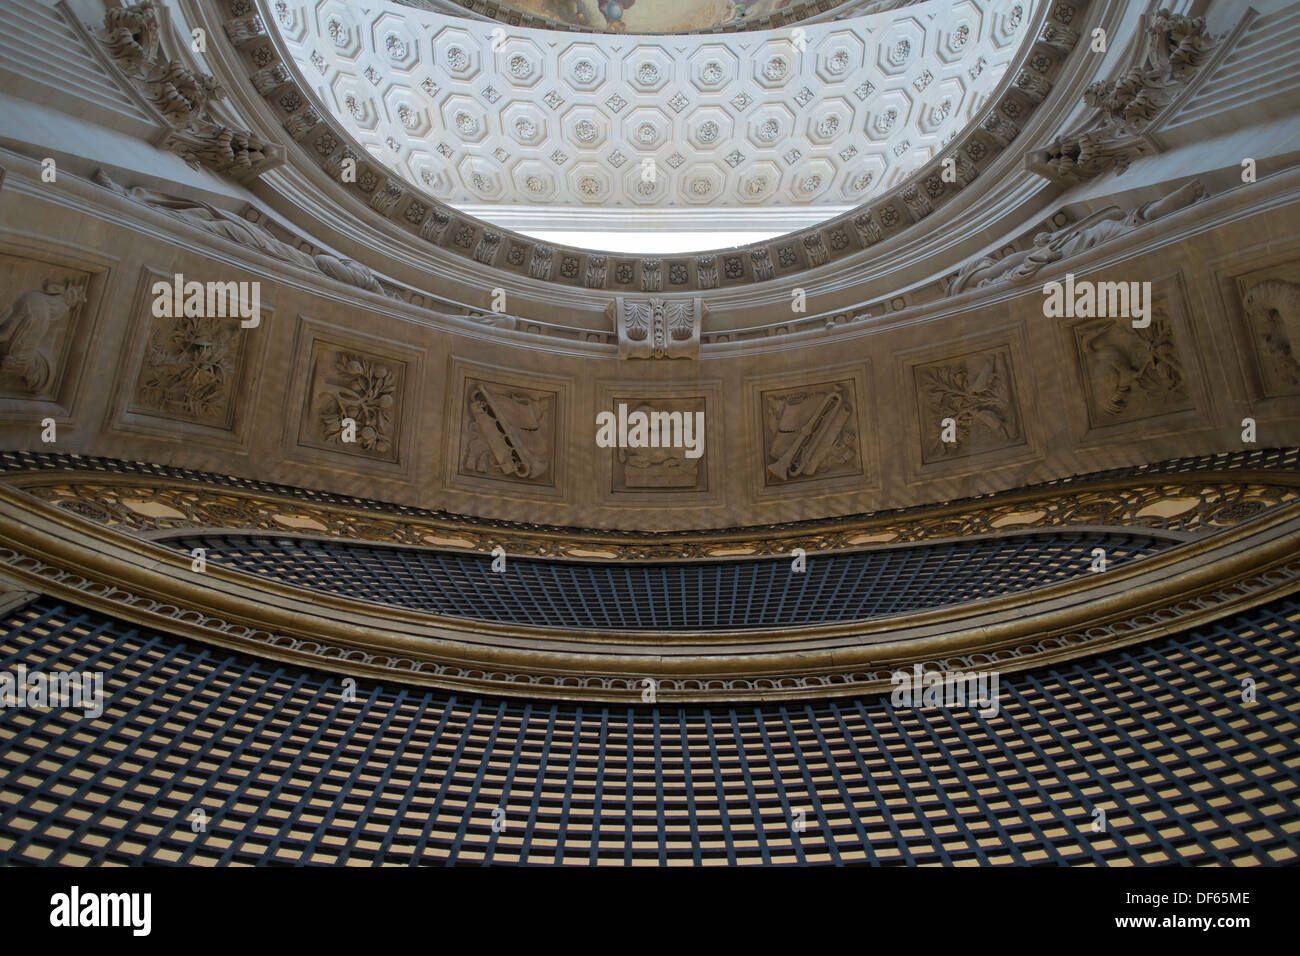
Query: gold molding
{"points": [[50, 548]]}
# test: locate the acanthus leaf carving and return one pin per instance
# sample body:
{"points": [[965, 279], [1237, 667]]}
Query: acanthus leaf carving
{"points": [[976, 392], [189, 367], [658, 327]]}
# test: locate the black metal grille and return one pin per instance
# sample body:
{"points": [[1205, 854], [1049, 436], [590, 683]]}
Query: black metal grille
{"points": [[285, 770], [678, 596]]}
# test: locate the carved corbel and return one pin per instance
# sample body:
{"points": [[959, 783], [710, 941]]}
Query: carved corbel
{"points": [[658, 327]]}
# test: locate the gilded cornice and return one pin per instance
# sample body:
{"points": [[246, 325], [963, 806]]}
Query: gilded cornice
{"points": [[1244, 550]]}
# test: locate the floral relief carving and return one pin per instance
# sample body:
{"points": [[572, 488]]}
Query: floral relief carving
{"points": [[968, 405], [190, 368], [355, 402]]}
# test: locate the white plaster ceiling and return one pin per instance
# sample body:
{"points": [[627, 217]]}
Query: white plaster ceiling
{"points": [[481, 114]]}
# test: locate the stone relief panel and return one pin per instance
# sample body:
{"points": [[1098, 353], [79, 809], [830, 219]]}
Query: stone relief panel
{"points": [[1130, 373], [977, 393], [44, 312], [353, 402], [191, 370], [810, 432], [1270, 310], [508, 433], [661, 469]]}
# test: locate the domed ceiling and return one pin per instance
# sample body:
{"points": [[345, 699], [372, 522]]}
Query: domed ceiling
{"points": [[652, 16], [787, 127], [660, 16]]}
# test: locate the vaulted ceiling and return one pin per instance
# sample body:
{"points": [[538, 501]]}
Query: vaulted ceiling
{"points": [[482, 114]]}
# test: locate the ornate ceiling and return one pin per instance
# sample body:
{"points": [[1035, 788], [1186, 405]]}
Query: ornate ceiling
{"points": [[658, 16], [829, 113]]}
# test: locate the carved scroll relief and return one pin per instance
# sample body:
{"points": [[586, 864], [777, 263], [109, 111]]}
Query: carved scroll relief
{"points": [[508, 432], [810, 432]]}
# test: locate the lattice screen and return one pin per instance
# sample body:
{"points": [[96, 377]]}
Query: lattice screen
{"points": [[286, 771], [681, 595]]}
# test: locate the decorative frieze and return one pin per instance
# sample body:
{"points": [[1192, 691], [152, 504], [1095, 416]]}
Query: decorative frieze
{"points": [[1103, 226]]}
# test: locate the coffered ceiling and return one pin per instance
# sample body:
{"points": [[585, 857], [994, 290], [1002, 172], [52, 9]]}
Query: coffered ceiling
{"points": [[482, 114]]}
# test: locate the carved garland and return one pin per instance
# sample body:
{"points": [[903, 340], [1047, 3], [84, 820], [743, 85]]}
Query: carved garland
{"points": [[137, 42]]}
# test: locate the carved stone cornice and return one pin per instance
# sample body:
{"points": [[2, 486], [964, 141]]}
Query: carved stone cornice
{"points": [[1169, 500]]}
